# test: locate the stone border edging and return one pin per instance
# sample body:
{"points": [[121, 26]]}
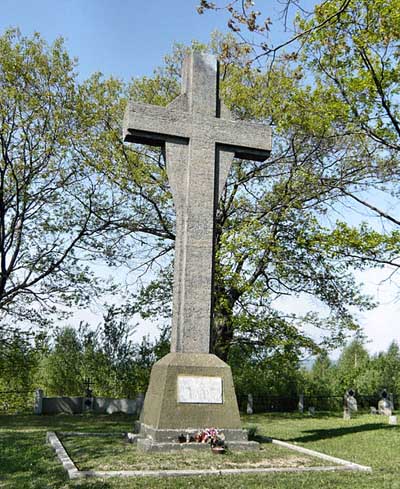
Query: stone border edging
{"points": [[83, 433], [323, 456], [202, 472], [74, 473], [67, 463]]}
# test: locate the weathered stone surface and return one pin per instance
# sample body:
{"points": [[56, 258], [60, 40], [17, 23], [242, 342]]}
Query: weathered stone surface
{"points": [[164, 418], [200, 138], [385, 405], [349, 404], [149, 445], [199, 146], [197, 389]]}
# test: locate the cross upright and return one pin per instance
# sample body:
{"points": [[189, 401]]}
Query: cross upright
{"points": [[199, 138]]}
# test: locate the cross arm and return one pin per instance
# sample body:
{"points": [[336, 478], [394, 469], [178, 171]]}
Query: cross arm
{"points": [[154, 125], [248, 140]]}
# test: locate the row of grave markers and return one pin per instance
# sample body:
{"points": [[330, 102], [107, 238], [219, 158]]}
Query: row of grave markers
{"points": [[385, 405]]}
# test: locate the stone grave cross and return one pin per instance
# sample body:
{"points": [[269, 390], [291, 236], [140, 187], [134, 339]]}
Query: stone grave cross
{"points": [[199, 138]]}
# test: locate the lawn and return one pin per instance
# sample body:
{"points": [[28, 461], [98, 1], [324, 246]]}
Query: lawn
{"points": [[27, 462], [107, 454]]}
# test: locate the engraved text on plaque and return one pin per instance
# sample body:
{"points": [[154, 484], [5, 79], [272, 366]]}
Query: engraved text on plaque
{"points": [[200, 390]]}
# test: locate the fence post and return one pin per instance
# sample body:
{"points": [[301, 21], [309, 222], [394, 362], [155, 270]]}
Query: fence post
{"points": [[139, 403], [38, 402], [301, 403], [249, 409]]}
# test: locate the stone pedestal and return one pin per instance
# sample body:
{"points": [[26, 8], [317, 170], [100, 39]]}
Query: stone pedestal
{"points": [[189, 392], [190, 389]]}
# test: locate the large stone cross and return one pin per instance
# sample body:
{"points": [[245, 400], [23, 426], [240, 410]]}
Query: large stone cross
{"points": [[200, 139]]}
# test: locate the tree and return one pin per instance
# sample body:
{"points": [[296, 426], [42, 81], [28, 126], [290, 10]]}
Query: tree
{"points": [[20, 355], [243, 14], [117, 205], [352, 365], [63, 367], [57, 213], [266, 370], [347, 57], [356, 58], [270, 239], [348, 50], [320, 378], [116, 365], [387, 367]]}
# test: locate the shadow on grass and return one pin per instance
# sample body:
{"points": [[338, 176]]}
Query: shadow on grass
{"points": [[86, 450], [27, 461], [257, 418], [95, 484], [324, 434]]}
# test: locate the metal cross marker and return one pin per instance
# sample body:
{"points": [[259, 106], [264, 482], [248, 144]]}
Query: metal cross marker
{"points": [[88, 385], [200, 139]]}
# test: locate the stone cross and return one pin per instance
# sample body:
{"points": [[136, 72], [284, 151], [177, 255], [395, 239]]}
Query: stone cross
{"points": [[199, 138]]}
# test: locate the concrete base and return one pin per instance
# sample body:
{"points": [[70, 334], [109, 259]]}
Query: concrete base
{"points": [[149, 445], [164, 436], [164, 418]]}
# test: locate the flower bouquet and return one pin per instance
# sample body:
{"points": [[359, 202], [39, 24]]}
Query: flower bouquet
{"points": [[212, 436]]}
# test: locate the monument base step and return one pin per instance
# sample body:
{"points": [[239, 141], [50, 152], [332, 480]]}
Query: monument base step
{"points": [[149, 445], [160, 435]]}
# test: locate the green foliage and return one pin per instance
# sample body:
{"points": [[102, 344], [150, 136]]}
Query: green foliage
{"points": [[63, 366], [270, 240], [356, 58], [367, 374], [20, 355], [78, 193], [319, 381], [352, 366], [387, 368], [107, 356], [265, 373], [55, 210]]}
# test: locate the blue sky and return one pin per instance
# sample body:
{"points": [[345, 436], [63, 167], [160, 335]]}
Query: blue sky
{"points": [[130, 38], [121, 38]]}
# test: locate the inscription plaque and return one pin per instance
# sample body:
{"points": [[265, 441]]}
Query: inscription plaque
{"points": [[199, 390]]}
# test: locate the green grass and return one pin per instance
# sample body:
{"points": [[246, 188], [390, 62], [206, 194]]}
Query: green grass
{"points": [[115, 454], [27, 462]]}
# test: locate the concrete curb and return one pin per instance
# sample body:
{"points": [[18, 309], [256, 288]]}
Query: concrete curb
{"points": [[203, 472], [67, 463], [84, 434], [323, 456], [74, 473]]}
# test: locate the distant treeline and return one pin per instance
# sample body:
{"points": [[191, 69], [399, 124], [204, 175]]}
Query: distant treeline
{"points": [[61, 364]]}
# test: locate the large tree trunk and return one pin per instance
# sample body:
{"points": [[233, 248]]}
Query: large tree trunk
{"points": [[222, 331]]}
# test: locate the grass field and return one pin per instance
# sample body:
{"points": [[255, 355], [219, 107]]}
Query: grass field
{"points": [[107, 454], [27, 462]]}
